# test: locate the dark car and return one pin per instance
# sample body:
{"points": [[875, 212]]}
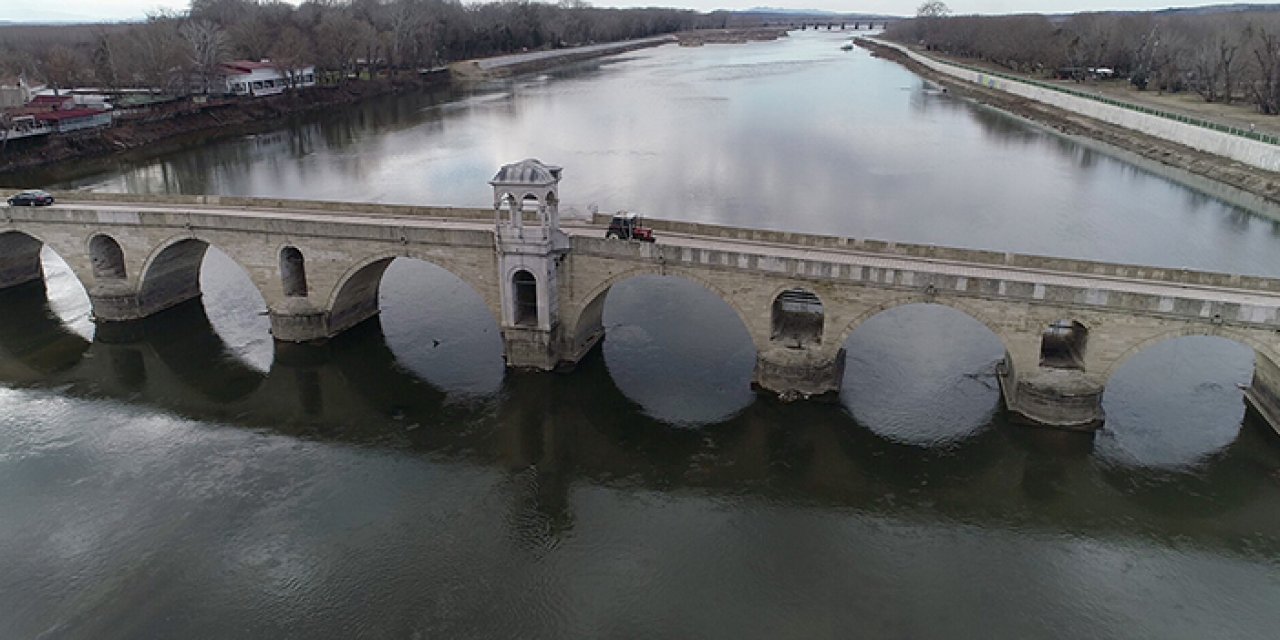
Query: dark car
{"points": [[31, 198]]}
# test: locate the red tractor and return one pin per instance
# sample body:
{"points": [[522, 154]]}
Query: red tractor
{"points": [[628, 226]]}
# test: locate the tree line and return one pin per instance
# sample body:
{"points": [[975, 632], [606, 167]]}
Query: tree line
{"points": [[181, 52], [1223, 56]]}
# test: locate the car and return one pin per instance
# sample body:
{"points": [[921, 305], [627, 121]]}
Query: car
{"points": [[31, 198]]}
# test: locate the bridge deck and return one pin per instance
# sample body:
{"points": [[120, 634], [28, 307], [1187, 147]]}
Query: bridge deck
{"points": [[476, 220]]}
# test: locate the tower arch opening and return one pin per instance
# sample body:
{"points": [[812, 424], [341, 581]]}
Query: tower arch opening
{"points": [[525, 304]]}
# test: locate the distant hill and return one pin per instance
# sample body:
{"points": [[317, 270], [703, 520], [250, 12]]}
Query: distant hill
{"points": [[1219, 8]]}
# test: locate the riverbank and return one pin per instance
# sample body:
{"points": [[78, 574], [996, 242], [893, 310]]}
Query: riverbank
{"points": [[482, 69], [213, 119], [235, 116], [502, 66], [1259, 189]]}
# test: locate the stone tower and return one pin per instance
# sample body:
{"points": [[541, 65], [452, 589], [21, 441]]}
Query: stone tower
{"points": [[531, 247]]}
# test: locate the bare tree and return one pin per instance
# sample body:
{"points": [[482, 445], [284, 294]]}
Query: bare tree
{"points": [[207, 49], [291, 52], [1265, 88], [62, 67]]}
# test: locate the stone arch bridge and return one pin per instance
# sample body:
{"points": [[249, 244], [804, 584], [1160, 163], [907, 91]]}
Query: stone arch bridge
{"points": [[1066, 325]]}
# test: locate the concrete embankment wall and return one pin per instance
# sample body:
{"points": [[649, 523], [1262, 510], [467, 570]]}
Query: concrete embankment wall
{"points": [[1235, 146]]}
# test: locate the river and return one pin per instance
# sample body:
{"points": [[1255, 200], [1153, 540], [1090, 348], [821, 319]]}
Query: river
{"points": [[185, 477]]}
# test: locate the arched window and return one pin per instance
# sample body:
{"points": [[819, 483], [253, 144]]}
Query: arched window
{"points": [[525, 288], [1062, 345], [107, 257], [797, 318], [293, 272]]}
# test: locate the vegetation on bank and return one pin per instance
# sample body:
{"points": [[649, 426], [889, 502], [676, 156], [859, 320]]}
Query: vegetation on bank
{"points": [[342, 38], [1222, 55]]}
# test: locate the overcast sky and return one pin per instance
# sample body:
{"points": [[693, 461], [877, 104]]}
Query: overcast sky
{"points": [[20, 10]]}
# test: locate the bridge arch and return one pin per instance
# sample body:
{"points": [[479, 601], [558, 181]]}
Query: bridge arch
{"points": [[171, 273], [66, 285], [585, 322], [354, 296], [678, 356], [1261, 353], [958, 304], [1191, 388], [924, 377]]}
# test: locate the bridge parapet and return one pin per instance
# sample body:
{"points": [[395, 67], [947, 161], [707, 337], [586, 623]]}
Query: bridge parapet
{"points": [[1086, 291], [370, 209], [974, 256]]}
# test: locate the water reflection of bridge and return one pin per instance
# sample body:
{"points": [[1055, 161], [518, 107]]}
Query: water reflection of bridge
{"points": [[553, 432]]}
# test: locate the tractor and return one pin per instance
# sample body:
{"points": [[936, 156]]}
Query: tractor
{"points": [[628, 226]]}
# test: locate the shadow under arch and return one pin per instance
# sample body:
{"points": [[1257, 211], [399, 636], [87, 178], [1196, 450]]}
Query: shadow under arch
{"points": [[354, 298], [34, 337], [185, 341], [20, 258], [24, 258], [1235, 477], [438, 324], [674, 349], [921, 372], [367, 363]]}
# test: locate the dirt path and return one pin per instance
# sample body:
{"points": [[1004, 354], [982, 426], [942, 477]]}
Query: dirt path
{"points": [[1251, 180]]}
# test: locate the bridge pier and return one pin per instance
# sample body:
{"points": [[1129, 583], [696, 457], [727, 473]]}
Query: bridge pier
{"points": [[799, 374], [530, 348], [1263, 393], [115, 302], [301, 324], [1048, 397]]}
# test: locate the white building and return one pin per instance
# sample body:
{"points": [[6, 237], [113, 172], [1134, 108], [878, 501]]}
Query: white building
{"points": [[264, 78], [14, 92]]}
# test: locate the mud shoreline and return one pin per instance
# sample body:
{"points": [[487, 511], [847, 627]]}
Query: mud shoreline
{"points": [[1246, 186]]}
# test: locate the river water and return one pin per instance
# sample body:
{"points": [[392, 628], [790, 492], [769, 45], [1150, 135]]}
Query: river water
{"points": [[184, 477]]}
